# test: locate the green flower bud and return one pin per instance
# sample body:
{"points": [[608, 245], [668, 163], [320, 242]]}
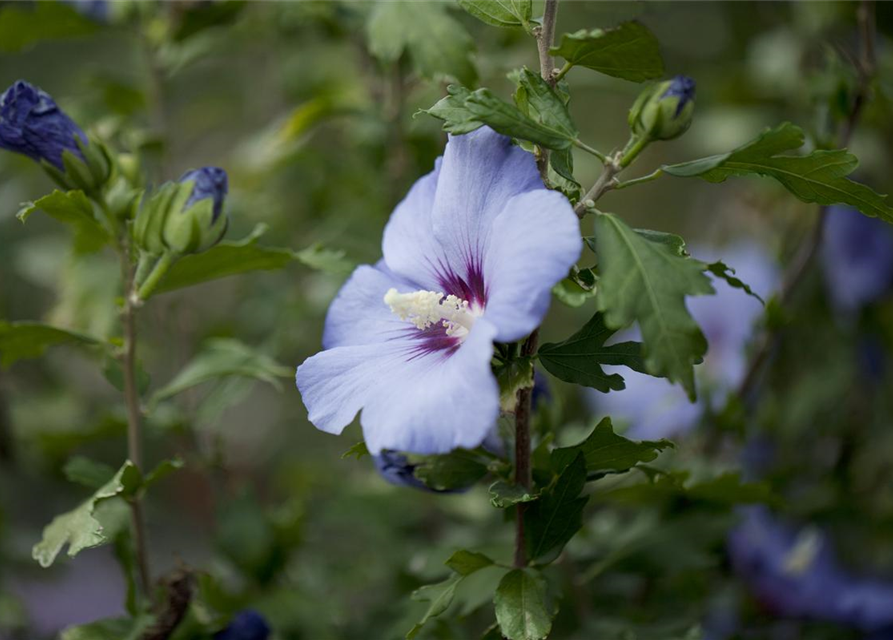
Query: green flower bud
{"points": [[664, 111], [184, 217], [89, 170]]}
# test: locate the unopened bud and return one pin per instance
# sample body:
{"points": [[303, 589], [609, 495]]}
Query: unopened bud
{"points": [[664, 111]]}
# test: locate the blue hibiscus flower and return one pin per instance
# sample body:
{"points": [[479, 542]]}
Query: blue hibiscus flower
{"points": [[246, 625], [857, 256], [795, 574], [470, 257]]}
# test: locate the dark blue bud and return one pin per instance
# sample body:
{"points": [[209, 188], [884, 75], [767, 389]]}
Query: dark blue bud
{"points": [[32, 124], [210, 182], [246, 625], [681, 87], [397, 469]]}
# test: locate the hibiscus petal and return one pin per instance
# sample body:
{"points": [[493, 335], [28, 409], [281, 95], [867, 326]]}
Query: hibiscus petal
{"points": [[439, 234], [358, 314], [539, 240], [416, 401], [434, 404]]}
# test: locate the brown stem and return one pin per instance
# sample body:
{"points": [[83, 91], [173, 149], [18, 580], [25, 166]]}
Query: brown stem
{"points": [[545, 37], [523, 476], [132, 401], [604, 184], [806, 252]]}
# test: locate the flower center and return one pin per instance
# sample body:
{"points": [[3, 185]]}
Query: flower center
{"points": [[427, 308]]}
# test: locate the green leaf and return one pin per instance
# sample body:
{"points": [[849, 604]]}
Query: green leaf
{"points": [[721, 270], [456, 116], [463, 111], [23, 340], [546, 106], [86, 472], [579, 358], [552, 521], [110, 629], [508, 120], [357, 451], [818, 177], [71, 208], [504, 494], [645, 281], [220, 358], [455, 470], [577, 288], [726, 490], [162, 470], [437, 44], [25, 24], [466, 562], [226, 259], [319, 258], [629, 51], [606, 452], [500, 13], [79, 528], [521, 607], [440, 596]]}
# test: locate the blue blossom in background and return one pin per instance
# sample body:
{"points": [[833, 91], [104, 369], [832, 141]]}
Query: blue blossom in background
{"points": [[397, 469], [246, 625], [652, 407], [32, 124], [470, 257], [857, 255], [96, 10], [210, 182], [795, 574]]}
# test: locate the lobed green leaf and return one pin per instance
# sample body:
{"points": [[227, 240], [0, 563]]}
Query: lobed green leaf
{"points": [[579, 359], [80, 528], [818, 177], [629, 51], [24, 340], [74, 209], [552, 521], [604, 451], [221, 358], [522, 610], [646, 281], [500, 13]]}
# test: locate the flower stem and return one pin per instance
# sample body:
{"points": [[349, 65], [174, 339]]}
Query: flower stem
{"points": [[134, 435], [523, 476], [654, 175], [148, 285], [563, 72], [585, 147]]}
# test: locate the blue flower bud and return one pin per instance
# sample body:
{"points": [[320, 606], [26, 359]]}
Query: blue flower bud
{"points": [[185, 216], [664, 111], [246, 625], [397, 469], [32, 124]]}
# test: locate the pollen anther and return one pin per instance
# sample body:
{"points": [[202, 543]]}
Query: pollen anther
{"points": [[426, 308]]}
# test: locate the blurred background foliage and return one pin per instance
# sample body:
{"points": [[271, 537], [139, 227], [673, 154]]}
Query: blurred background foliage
{"points": [[310, 108]]}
